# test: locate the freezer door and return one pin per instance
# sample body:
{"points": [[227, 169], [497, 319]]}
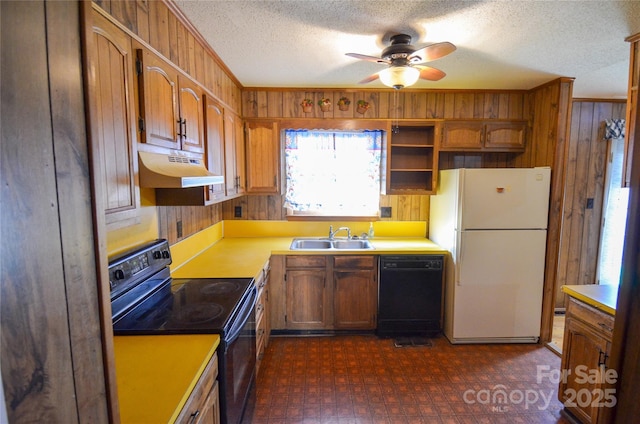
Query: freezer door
{"points": [[499, 283], [509, 198]]}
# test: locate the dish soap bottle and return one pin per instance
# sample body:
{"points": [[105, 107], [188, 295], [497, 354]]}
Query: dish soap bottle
{"points": [[370, 230]]}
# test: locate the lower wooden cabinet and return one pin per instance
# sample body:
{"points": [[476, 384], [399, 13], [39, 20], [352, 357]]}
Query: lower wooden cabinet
{"points": [[584, 389], [355, 292], [307, 297], [325, 292], [203, 406]]}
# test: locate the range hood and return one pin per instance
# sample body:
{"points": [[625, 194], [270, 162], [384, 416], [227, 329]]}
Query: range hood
{"points": [[174, 171]]}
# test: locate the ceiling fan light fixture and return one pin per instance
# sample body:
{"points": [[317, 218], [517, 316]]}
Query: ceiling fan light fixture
{"points": [[399, 76]]}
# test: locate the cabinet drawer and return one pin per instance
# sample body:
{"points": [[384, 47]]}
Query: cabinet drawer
{"points": [[306, 261], [196, 403], [349, 262], [600, 321]]}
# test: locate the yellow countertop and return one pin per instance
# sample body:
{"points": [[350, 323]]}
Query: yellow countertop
{"points": [[603, 297], [244, 257], [156, 374]]}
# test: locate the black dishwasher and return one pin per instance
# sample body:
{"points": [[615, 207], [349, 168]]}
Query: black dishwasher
{"points": [[410, 295]]}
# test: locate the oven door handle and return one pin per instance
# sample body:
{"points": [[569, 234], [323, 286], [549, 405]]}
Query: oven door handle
{"points": [[242, 317]]}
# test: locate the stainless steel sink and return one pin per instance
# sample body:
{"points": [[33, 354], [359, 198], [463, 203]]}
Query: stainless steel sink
{"points": [[352, 244], [326, 244], [310, 244]]}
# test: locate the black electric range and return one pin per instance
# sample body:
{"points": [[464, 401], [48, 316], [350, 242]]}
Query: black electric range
{"points": [[145, 300]]}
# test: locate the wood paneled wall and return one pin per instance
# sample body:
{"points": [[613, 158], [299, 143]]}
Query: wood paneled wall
{"points": [[53, 368], [585, 177], [191, 218], [389, 104]]}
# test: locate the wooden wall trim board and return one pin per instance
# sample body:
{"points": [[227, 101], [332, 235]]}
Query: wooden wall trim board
{"points": [[551, 132], [625, 349], [99, 223]]}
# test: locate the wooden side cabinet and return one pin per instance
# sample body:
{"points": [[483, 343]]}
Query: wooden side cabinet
{"points": [[483, 135], [203, 405], [355, 292], [585, 352], [263, 157], [263, 325], [112, 87]]}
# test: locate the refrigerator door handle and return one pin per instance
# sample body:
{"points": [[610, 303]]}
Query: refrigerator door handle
{"points": [[458, 258]]}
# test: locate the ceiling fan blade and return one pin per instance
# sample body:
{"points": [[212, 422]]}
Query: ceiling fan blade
{"points": [[369, 58], [432, 52], [370, 78], [430, 74]]}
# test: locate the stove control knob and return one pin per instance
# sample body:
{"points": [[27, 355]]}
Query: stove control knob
{"points": [[157, 254], [165, 254], [119, 274]]}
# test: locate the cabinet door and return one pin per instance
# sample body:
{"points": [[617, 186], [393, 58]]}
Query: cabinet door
{"points": [[505, 136], [462, 135], [191, 115], [157, 91], [214, 146], [354, 299], [241, 165], [262, 154], [584, 348], [114, 142], [306, 299]]}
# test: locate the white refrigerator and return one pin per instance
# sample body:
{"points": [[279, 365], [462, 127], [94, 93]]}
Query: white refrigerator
{"points": [[494, 224]]}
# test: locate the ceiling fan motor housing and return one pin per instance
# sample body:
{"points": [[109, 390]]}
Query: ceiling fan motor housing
{"points": [[399, 50]]}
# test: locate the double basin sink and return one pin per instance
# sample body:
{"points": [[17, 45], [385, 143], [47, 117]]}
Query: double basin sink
{"points": [[328, 244]]}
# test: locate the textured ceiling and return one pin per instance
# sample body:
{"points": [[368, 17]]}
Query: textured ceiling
{"points": [[500, 44]]}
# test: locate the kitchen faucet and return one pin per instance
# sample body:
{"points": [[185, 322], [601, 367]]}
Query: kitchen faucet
{"points": [[333, 233]]}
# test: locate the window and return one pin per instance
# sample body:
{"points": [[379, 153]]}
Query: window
{"points": [[614, 217], [332, 173]]}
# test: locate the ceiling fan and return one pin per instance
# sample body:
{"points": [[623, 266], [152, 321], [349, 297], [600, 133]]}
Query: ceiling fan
{"points": [[405, 61]]}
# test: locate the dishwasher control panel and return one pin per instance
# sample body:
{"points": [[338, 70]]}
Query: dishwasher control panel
{"points": [[429, 262]]}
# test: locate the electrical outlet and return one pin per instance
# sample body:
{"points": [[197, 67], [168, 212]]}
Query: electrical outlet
{"points": [[385, 212], [237, 211], [179, 229]]}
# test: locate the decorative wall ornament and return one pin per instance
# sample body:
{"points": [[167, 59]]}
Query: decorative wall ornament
{"points": [[614, 128], [307, 105], [362, 106], [343, 103], [325, 104]]}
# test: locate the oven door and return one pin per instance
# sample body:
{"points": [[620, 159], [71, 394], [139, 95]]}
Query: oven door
{"points": [[238, 363]]}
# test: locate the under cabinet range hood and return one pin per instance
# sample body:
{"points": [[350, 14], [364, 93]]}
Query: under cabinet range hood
{"points": [[159, 170]]}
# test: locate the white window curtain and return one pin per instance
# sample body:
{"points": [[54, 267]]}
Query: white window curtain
{"points": [[333, 173]]}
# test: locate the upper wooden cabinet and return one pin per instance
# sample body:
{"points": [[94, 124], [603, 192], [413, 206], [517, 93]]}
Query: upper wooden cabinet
{"points": [[113, 140], [412, 161], [497, 136], [234, 155], [214, 135], [170, 105], [263, 157]]}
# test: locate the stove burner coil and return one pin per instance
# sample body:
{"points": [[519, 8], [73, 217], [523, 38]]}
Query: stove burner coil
{"points": [[220, 287], [198, 313]]}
